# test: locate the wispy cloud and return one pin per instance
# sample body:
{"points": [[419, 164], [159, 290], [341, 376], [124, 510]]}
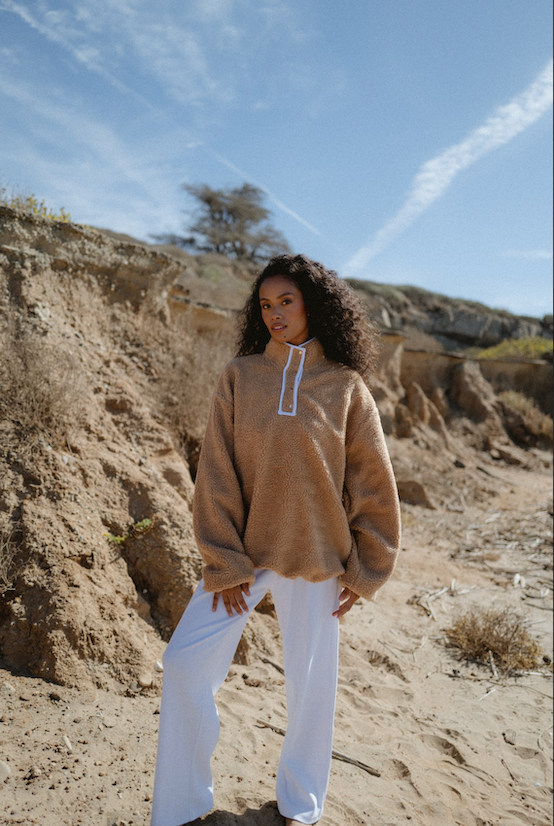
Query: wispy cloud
{"points": [[436, 175], [530, 255], [56, 28]]}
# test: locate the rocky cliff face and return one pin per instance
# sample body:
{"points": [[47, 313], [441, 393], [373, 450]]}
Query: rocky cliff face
{"points": [[97, 556], [454, 323]]}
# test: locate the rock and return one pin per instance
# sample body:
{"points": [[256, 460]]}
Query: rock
{"points": [[67, 743], [5, 771], [413, 493], [418, 403], [510, 737], [473, 394], [7, 688], [158, 666], [404, 422], [145, 679]]}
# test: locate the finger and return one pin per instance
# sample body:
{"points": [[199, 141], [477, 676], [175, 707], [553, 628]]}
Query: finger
{"points": [[227, 602], [346, 606], [246, 588], [215, 602], [242, 603], [346, 593]]}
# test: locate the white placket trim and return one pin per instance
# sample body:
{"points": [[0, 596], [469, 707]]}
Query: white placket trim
{"points": [[297, 380]]}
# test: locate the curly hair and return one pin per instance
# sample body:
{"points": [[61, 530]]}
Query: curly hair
{"points": [[336, 316]]}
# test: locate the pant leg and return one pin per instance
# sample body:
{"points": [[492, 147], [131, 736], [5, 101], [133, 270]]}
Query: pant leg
{"points": [[196, 662], [310, 653]]}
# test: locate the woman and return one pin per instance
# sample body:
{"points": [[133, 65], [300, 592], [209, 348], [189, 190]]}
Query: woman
{"points": [[294, 494]]}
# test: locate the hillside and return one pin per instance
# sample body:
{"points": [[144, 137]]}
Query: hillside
{"points": [[110, 351]]}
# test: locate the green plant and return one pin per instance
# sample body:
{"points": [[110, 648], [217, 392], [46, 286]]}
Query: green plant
{"points": [[30, 205], [138, 529], [531, 347], [495, 635]]}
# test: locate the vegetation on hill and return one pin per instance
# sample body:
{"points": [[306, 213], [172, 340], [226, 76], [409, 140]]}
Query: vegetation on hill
{"points": [[30, 205], [531, 347]]}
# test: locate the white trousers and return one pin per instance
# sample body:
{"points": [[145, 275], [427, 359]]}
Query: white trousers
{"points": [[196, 663]]}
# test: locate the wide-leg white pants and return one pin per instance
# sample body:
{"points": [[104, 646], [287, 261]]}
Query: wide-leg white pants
{"points": [[196, 663]]}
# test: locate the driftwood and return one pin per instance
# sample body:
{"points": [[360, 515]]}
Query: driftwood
{"points": [[336, 754]]}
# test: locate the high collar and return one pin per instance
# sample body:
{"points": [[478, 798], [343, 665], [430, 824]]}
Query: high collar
{"points": [[279, 353]]}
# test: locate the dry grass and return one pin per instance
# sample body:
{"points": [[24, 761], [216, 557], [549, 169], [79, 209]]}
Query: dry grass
{"points": [[42, 387], [482, 633], [7, 557], [538, 423]]}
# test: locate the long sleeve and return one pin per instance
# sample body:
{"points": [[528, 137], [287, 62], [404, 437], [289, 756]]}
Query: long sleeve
{"points": [[219, 511], [370, 499]]}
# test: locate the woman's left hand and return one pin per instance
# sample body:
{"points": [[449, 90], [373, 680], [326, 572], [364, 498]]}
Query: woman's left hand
{"points": [[347, 600]]}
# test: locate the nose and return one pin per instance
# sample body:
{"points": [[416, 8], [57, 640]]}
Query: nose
{"points": [[275, 313]]}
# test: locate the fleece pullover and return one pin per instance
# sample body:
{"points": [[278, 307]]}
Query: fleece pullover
{"points": [[294, 475]]}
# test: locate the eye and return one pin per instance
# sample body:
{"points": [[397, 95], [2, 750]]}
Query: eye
{"points": [[286, 301], [265, 306]]}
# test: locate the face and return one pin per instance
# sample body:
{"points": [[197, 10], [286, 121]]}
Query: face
{"points": [[283, 310]]}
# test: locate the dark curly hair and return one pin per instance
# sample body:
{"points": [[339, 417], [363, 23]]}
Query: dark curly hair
{"points": [[336, 316]]}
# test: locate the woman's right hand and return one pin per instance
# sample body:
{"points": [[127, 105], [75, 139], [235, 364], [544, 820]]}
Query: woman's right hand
{"points": [[233, 599]]}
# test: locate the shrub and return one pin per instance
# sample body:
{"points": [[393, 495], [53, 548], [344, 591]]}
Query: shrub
{"points": [[515, 348], [482, 633], [536, 422], [42, 387], [30, 205]]}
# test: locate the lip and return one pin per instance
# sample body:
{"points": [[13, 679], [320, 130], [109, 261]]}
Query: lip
{"points": [[278, 328]]}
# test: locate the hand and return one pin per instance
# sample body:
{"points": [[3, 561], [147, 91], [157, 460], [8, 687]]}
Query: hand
{"points": [[233, 599], [347, 598]]}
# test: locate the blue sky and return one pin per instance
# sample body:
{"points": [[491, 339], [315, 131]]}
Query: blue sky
{"points": [[404, 141]]}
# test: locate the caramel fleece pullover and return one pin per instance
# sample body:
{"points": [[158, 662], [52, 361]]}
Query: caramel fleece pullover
{"points": [[294, 475]]}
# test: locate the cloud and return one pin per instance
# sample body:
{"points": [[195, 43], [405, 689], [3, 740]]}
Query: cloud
{"points": [[530, 255], [436, 175]]}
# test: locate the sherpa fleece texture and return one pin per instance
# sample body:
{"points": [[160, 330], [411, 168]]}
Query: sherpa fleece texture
{"points": [[306, 492]]}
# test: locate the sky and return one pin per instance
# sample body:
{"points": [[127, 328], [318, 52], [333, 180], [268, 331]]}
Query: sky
{"points": [[401, 141]]}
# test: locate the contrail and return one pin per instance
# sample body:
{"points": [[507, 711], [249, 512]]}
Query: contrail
{"points": [[279, 204], [436, 175]]}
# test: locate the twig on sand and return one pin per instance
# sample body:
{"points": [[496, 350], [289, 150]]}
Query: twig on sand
{"points": [[338, 755], [270, 662], [490, 691], [493, 666], [548, 728]]}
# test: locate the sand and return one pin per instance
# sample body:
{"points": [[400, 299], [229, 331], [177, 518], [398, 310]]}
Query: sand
{"points": [[452, 743]]}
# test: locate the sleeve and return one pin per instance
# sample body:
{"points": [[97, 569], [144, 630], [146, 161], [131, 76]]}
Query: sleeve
{"points": [[370, 499], [218, 509]]}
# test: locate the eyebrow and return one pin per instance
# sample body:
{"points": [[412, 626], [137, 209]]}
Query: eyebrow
{"points": [[279, 296]]}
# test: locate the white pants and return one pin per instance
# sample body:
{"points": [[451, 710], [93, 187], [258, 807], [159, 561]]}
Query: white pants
{"points": [[196, 663]]}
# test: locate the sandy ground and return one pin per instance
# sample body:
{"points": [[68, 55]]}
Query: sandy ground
{"points": [[452, 744]]}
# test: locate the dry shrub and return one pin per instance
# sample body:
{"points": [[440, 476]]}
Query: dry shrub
{"points": [[484, 632], [536, 422], [190, 356], [7, 557], [42, 386]]}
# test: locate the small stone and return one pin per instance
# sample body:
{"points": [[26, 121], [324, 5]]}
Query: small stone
{"points": [[5, 771], [67, 742], [145, 679], [158, 666], [510, 737], [8, 688], [55, 695]]}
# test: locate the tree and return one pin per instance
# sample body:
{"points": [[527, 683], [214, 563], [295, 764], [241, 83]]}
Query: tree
{"points": [[231, 222]]}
